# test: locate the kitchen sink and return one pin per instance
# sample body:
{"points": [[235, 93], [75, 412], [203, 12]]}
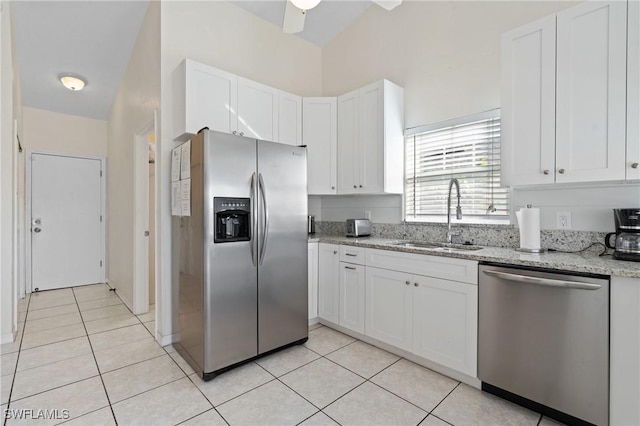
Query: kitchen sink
{"points": [[437, 246]]}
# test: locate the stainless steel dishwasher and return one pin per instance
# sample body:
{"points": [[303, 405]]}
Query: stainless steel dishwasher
{"points": [[544, 339]]}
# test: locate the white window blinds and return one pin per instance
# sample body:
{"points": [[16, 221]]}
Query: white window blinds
{"points": [[467, 149]]}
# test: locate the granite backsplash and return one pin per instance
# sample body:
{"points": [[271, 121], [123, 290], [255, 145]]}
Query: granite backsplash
{"points": [[506, 236]]}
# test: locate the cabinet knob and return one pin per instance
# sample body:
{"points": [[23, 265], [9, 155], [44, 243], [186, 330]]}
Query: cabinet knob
{"points": [[635, 165], [407, 282], [360, 186], [241, 133], [235, 132], [561, 171], [416, 284], [333, 187], [355, 186], [546, 172], [335, 252]]}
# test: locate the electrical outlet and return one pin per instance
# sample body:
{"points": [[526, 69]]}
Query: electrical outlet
{"points": [[367, 214], [563, 220]]}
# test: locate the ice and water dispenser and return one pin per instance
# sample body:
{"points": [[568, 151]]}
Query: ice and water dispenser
{"points": [[233, 219]]}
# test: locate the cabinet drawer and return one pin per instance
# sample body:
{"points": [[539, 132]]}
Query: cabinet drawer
{"points": [[351, 254], [461, 270]]}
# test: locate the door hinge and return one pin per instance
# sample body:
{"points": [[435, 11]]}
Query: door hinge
{"points": [[100, 173], [100, 218], [101, 263]]}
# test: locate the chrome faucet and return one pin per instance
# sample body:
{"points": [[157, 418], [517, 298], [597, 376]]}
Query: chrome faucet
{"points": [[458, 208]]}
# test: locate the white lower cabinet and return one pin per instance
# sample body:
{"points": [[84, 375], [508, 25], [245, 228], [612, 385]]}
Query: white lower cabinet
{"points": [[328, 282], [352, 292], [312, 268], [445, 323], [389, 307]]}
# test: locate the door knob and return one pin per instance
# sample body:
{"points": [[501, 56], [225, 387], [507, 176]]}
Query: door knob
{"points": [[146, 233], [37, 230]]}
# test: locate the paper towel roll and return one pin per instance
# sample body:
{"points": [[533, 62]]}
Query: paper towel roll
{"points": [[529, 223]]}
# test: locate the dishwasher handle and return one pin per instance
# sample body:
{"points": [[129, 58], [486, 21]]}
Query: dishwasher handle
{"points": [[542, 281]]}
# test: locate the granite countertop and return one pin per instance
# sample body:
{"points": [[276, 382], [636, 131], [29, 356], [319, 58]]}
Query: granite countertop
{"points": [[574, 262]]}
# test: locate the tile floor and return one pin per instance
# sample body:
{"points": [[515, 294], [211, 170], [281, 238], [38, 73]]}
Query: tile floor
{"points": [[81, 349]]}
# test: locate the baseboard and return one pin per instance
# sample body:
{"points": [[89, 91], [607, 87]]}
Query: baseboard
{"points": [[166, 340], [9, 337], [313, 321], [456, 375], [122, 297]]}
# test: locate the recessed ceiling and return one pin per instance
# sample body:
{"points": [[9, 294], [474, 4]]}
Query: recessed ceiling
{"points": [[92, 39], [322, 23]]}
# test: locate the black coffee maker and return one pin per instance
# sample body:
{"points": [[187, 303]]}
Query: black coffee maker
{"points": [[627, 243]]}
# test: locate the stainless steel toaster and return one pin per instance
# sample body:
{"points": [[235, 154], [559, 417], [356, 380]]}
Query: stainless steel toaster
{"points": [[358, 227]]}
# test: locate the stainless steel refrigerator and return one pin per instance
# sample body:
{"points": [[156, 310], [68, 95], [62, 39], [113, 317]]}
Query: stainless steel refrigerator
{"points": [[242, 254]]}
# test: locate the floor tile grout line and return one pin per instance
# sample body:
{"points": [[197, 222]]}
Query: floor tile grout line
{"points": [[49, 317], [57, 387], [145, 391], [113, 414], [202, 393], [199, 414], [134, 363], [54, 362], [540, 419], [85, 414], [443, 399], [15, 369]]}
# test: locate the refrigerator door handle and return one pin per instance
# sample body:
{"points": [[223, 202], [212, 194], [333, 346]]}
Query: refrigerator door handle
{"points": [[254, 221], [265, 212]]}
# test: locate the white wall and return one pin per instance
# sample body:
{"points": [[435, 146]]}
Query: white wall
{"points": [[63, 133], [220, 34], [132, 110], [8, 293], [447, 57]]}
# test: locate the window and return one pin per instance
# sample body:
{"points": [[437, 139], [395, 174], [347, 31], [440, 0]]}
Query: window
{"points": [[467, 149]]}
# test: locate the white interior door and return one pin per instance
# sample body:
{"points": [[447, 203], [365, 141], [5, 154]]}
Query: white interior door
{"points": [[66, 228]]}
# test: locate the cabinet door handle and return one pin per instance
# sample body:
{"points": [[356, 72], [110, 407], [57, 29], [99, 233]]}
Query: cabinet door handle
{"points": [[416, 284], [546, 172], [407, 282], [351, 254], [561, 171], [635, 165], [350, 267]]}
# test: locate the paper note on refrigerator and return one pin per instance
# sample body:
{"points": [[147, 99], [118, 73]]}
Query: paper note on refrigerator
{"points": [[176, 199], [185, 162], [175, 164], [185, 194]]}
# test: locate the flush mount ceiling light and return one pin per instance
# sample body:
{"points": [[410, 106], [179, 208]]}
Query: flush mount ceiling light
{"points": [[72, 82], [305, 4]]}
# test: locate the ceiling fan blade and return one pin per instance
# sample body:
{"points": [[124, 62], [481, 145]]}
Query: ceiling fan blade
{"points": [[293, 19], [388, 4]]}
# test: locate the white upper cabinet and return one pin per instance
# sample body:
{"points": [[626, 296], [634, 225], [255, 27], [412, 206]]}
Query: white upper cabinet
{"points": [[370, 139], [528, 103], [591, 92], [203, 96], [320, 135], [348, 143], [289, 118], [633, 92], [564, 95], [257, 110]]}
